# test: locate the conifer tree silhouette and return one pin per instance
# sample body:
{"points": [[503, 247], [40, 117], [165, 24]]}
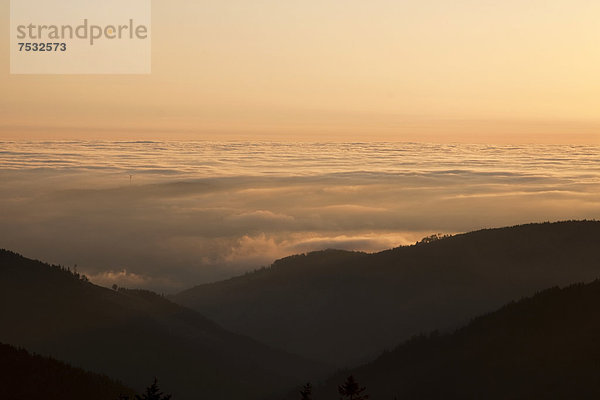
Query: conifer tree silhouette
{"points": [[306, 392], [351, 390], [153, 393]]}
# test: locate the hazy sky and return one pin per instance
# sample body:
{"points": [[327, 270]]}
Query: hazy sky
{"points": [[447, 70]]}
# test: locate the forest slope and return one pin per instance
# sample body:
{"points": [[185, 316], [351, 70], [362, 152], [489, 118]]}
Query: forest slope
{"points": [[344, 308], [543, 347], [134, 335], [25, 376]]}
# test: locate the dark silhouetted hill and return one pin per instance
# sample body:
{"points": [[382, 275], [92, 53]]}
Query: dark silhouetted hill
{"points": [[543, 347], [345, 308], [24, 377], [134, 335]]}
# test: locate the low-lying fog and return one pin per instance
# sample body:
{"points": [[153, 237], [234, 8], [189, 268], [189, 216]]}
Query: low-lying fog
{"points": [[170, 215]]}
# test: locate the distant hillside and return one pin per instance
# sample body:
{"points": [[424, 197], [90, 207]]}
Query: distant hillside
{"points": [[24, 376], [135, 335], [544, 347], [342, 307]]}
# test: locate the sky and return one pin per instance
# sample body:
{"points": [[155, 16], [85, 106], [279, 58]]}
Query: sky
{"points": [[429, 70]]}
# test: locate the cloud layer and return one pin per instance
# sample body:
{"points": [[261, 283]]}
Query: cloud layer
{"points": [[172, 231]]}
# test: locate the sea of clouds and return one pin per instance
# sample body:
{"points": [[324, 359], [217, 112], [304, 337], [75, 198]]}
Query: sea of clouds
{"points": [[170, 215]]}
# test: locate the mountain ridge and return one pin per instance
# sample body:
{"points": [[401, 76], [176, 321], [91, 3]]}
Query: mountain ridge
{"points": [[395, 293], [542, 346], [134, 335]]}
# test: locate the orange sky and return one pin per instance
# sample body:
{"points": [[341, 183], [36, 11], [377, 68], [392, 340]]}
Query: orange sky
{"points": [[428, 70]]}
